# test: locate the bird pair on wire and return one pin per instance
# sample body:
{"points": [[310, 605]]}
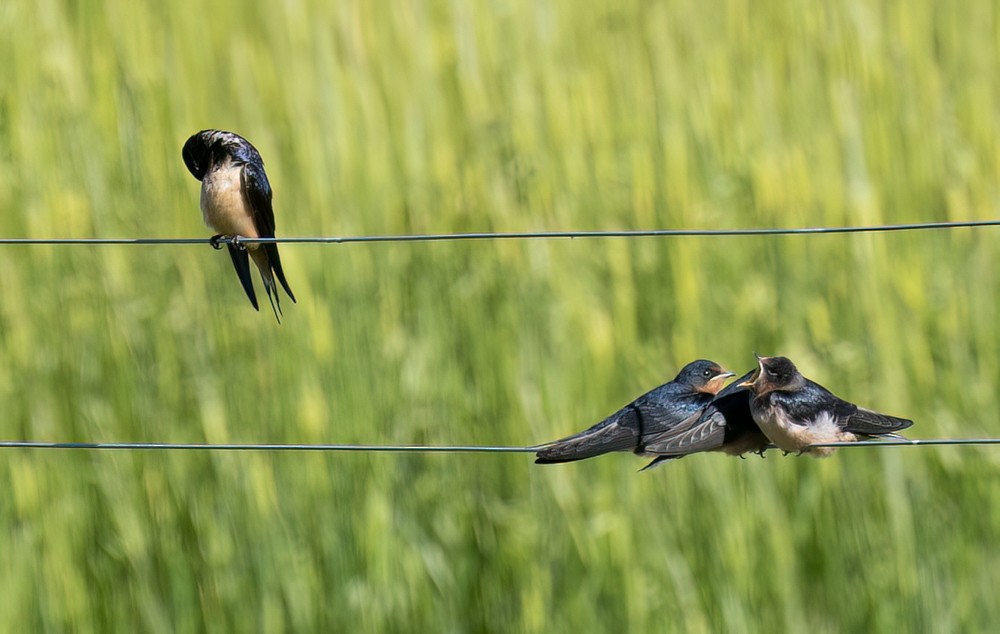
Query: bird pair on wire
{"points": [[773, 404]]}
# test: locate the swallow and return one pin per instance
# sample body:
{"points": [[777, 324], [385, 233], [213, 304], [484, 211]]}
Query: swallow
{"points": [[654, 412], [236, 202], [795, 412], [725, 424]]}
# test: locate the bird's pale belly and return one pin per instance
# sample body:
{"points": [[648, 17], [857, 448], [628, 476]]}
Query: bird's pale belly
{"points": [[792, 437], [223, 205]]}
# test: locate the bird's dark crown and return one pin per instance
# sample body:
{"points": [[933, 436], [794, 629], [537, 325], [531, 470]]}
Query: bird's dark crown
{"points": [[776, 373], [202, 149], [700, 373]]}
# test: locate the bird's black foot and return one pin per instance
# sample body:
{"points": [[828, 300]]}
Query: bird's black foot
{"points": [[239, 245], [214, 241]]}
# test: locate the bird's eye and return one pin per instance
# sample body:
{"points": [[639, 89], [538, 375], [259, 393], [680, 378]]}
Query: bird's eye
{"points": [[706, 373]]}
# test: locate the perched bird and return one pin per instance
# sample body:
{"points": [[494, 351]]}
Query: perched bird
{"points": [[725, 425], [654, 412], [236, 202], [795, 412]]}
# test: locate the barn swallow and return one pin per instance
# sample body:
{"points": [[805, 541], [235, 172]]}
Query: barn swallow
{"points": [[725, 425], [236, 202], [795, 412], [652, 413]]}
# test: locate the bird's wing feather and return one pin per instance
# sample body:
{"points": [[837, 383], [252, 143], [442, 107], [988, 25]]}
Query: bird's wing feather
{"points": [[618, 432], [699, 432], [660, 411], [865, 421], [257, 190], [258, 194]]}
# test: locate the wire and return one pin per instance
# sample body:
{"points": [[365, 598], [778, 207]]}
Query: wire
{"points": [[905, 442], [539, 235], [163, 446]]}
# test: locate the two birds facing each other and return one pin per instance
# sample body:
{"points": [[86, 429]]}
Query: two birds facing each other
{"points": [[773, 404]]}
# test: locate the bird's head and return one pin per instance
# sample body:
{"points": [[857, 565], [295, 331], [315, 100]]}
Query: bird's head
{"points": [[774, 374], [703, 376], [197, 154]]}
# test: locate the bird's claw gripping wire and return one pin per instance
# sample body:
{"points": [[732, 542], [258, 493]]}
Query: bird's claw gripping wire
{"points": [[233, 240]]}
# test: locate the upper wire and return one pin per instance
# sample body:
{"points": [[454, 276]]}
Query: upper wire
{"points": [[528, 235]]}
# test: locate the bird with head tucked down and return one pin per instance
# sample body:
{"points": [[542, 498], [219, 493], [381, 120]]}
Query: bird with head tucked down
{"points": [[235, 203]]}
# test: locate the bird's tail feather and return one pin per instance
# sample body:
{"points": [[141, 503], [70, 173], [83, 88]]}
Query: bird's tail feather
{"points": [[241, 262], [593, 442], [262, 259], [275, 259]]}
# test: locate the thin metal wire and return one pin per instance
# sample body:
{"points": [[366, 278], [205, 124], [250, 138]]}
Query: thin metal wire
{"points": [[537, 235], [918, 442], [163, 446]]}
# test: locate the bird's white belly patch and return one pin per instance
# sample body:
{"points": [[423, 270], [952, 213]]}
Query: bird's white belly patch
{"points": [[792, 437], [223, 205]]}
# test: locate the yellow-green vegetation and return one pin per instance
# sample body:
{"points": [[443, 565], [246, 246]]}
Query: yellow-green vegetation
{"points": [[409, 117]]}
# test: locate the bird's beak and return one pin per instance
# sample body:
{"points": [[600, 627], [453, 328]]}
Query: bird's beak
{"points": [[714, 385], [753, 379]]}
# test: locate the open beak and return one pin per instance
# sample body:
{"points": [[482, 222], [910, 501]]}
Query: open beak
{"points": [[753, 379]]}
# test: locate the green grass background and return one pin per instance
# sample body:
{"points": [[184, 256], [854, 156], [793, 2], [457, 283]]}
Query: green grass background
{"points": [[381, 117]]}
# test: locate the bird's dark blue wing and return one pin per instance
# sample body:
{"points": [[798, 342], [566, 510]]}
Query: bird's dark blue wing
{"points": [[618, 432], [869, 423], [805, 404], [666, 407], [815, 399], [257, 190], [258, 194], [702, 431]]}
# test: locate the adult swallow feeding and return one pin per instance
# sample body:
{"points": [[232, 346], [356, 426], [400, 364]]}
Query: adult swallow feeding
{"points": [[235, 203], [795, 412], [652, 413], [725, 425]]}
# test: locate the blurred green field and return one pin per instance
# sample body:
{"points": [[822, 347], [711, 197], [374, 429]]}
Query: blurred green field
{"points": [[474, 116]]}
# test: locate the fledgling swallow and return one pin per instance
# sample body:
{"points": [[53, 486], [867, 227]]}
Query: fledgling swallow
{"points": [[236, 202], [795, 412], [725, 425], [654, 412]]}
